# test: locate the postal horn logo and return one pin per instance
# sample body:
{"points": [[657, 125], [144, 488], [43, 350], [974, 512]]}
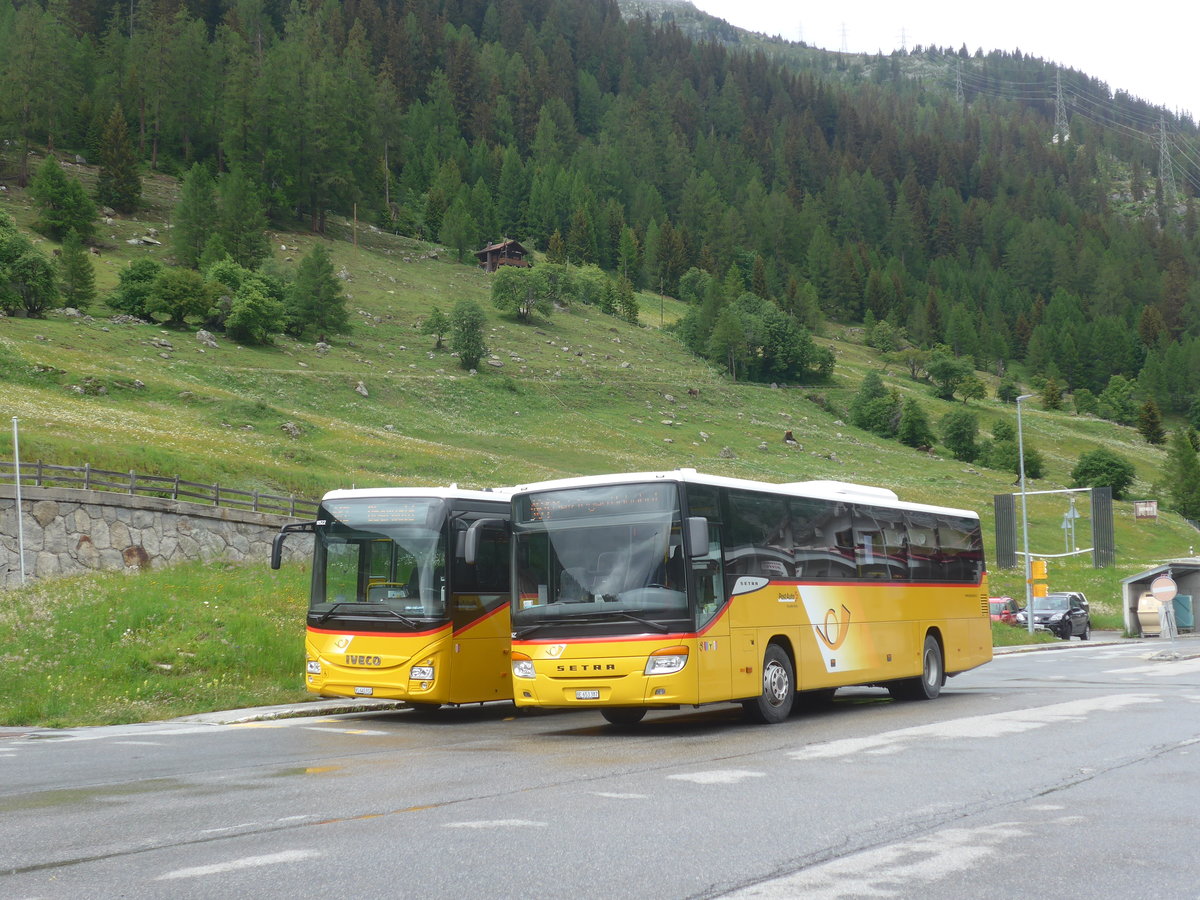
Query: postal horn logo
{"points": [[834, 630]]}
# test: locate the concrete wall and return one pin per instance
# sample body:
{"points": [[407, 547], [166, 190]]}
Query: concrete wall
{"points": [[69, 531]]}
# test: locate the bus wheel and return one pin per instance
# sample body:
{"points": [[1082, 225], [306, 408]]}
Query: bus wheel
{"points": [[623, 715], [928, 684], [778, 689]]}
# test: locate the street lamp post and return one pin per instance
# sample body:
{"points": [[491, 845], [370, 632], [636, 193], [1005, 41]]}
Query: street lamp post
{"points": [[1025, 519]]}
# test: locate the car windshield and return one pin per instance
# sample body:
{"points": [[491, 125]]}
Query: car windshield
{"points": [[1051, 603]]}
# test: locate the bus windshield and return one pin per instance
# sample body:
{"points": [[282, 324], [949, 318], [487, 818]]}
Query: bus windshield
{"points": [[381, 557], [609, 558]]}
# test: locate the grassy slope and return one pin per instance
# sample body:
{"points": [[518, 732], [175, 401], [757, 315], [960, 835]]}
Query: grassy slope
{"points": [[577, 393]]}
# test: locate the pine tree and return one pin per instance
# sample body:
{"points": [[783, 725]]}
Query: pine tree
{"points": [[195, 216], [119, 185], [466, 333], [626, 301], [1150, 424], [76, 277], [63, 204], [315, 302], [241, 219], [728, 342], [1051, 395], [1182, 475], [959, 432], [915, 430]]}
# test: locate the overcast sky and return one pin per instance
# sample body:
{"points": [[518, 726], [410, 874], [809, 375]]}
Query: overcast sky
{"points": [[1148, 51]]}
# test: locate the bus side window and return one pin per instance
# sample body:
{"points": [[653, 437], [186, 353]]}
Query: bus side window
{"points": [[709, 579]]}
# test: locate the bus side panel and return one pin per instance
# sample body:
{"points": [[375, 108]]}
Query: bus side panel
{"points": [[481, 668], [366, 664], [778, 605], [712, 656]]}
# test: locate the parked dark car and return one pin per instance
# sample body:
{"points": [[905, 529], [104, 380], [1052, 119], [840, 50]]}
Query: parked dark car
{"points": [[1064, 613], [1004, 609]]}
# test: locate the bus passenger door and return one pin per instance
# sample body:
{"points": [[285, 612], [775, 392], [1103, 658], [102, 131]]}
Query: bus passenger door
{"points": [[479, 652], [713, 650]]}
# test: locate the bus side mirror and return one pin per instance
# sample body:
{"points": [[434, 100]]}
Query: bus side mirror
{"points": [[470, 550], [697, 536], [277, 544]]}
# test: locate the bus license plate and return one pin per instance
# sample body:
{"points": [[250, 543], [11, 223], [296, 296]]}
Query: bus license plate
{"points": [[587, 695], [364, 691]]}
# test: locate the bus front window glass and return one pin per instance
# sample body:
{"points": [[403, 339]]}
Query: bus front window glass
{"points": [[388, 555], [611, 552], [341, 573]]}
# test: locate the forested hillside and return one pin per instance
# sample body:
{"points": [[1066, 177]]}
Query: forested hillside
{"points": [[932, 191]]}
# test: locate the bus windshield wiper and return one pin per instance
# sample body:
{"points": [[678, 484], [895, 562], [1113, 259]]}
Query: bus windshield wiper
{"points": [[329, 612], [608, 614]]}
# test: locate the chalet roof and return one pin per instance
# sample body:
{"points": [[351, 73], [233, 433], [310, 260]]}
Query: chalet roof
{"points": [[501, 245]]}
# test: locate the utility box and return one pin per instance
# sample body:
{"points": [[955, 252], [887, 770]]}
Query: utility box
{"points": [[1185, 615], [1149, 612]]}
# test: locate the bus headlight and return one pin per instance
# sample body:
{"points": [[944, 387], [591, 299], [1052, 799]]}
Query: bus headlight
{"points": [[522, 665], [667, 660], [313, 667], [421, 673]]}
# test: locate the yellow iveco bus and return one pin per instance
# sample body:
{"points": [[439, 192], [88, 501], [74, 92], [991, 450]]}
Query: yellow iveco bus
{"points": [[670, 589], [395, 611]]}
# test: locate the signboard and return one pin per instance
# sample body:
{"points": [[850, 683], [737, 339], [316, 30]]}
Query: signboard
{"points": [[1164, 588], [1145, 509]]}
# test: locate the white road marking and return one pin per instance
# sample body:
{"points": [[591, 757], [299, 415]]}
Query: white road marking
{"points": [[228, 828], [246, 862], [896, 870], [139, 743], [497, 823], [718, 776], [995, 725], [1162, 669], [609, 796]]}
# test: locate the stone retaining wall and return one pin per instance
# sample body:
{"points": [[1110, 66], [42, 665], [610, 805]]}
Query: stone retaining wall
{"points": [[70, 531]]}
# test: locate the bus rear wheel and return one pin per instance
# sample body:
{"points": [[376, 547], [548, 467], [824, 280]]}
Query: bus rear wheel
{"points": [[928, 684], [778, 689], [623, 715]]}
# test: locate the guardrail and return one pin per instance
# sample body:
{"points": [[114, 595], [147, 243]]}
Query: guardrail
{"points": [[42, 474]]}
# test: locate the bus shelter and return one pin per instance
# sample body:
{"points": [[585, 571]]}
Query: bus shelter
{"points": [[1186, 574]]}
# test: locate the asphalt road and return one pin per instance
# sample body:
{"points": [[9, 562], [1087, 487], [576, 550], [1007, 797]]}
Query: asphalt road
{"points": [[1071, 772]]}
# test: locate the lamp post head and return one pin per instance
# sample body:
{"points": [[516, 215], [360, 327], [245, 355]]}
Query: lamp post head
{"points": [[1024, 397]]}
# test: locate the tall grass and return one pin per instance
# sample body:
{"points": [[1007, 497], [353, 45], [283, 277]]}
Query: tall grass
{"points": [[114, 647]]}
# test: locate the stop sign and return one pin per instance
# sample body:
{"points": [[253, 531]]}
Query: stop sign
{"points": [[1163, 588]]}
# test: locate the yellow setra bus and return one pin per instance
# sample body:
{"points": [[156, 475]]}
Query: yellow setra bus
{"points": [[669, 589], [395, 611]]}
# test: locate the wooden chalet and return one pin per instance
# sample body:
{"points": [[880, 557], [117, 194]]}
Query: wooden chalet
{"points": [[504, 253]]}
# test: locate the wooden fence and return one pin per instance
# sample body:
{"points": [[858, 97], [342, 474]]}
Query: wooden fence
{"points": [[41, 474]]}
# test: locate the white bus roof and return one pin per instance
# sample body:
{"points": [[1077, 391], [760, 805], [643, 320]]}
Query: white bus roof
{"points": [[453, 492], [819, 490]]}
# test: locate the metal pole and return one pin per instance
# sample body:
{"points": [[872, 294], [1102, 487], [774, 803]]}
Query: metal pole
{"points": [[1025, 519], [17, 483]]}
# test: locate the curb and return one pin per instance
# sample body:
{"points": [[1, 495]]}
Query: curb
{"points": [[302, 709]]}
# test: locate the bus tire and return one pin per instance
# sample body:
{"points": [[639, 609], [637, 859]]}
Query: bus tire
{"points": [[928, 684], [774, 704], [624, 716]]}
